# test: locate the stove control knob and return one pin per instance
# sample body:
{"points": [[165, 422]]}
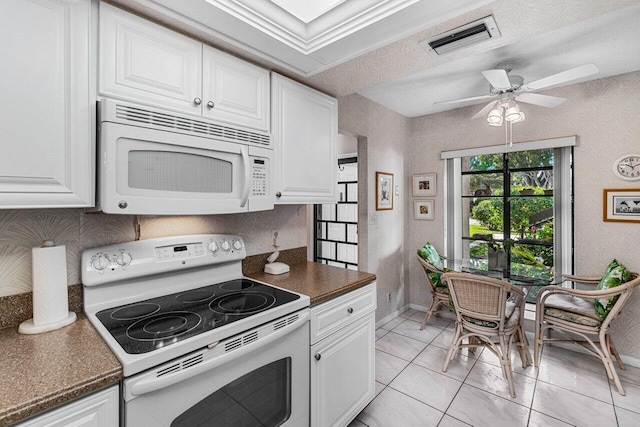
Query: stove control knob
{"points": [[124, 259], [225, 246], [237, 244], [100, 262], [213, 247]]}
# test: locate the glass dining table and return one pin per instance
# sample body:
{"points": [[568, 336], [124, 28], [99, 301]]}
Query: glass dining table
{"points": [[528, 278]]}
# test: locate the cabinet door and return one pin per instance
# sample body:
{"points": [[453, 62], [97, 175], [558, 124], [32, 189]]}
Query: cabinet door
{"points": [[234, 91], [97, 410], [343, 373], [143, 61], [47, 133], [305, 131]]}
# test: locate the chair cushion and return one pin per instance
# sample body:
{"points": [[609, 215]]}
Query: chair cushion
{"points": [[511, 317], [572, 309], [615, 275], [430, 254]]}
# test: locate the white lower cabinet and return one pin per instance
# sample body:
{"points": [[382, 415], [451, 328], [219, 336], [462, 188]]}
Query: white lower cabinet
{"points": [[343, 363], [97, 410]]}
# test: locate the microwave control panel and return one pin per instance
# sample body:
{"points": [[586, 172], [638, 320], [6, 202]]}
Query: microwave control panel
{"points": [[260, 177]]}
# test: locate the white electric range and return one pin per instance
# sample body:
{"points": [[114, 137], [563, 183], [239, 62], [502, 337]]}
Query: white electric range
{"points": [[199, 342]]}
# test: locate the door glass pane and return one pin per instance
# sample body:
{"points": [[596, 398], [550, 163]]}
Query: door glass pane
{"points": [[531, 159], [481, 185], [174, 171], [259, 398], [485, 162], [533, 182]]}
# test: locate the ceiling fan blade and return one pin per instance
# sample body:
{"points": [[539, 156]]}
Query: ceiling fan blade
{"points": [[563, 77], [498, 79], [485, 110], [473, 98], [542, 100]]}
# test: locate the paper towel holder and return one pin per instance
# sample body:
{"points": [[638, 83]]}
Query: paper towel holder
{"points": [[29, 327]]}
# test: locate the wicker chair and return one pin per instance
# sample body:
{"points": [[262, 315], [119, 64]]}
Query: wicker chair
{"points": [[490, 313], [439, 293], [572, 311]]}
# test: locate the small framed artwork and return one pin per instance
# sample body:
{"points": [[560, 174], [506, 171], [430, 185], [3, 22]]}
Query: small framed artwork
{"points": [[423, 209], [384, 191], [424, 184], [621, 205]]}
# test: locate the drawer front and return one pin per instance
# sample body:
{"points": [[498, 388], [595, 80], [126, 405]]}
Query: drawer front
{"points": [[333, 315]]}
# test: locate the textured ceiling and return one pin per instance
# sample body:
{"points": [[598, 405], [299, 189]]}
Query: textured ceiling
{"points": [[399, 74]]}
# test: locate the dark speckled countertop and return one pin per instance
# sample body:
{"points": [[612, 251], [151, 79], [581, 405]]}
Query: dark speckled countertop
{"points": [[39, 372], [319, 281]]}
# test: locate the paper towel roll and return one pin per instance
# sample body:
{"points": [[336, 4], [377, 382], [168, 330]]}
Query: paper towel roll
{"points": [[50, 293], [50, 300]]}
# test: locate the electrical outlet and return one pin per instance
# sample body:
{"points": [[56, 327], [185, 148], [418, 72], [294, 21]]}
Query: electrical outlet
{"points": [[275, 234], [388, 296]]}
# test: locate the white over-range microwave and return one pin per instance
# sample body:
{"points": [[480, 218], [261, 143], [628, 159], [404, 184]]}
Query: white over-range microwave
{"points": [[156, 162]]}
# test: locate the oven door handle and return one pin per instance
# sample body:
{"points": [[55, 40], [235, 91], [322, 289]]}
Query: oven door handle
{"points": [[150, 382], [244, 151]]}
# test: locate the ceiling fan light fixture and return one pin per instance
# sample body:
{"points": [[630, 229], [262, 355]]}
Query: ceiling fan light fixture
{"points": [[495, 117], [513, 112], [520, 118]]}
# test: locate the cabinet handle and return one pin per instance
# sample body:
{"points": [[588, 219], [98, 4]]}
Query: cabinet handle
{"points": [[318, 356], [278, 194], [210, 104], [197, 101], [349, 310]]}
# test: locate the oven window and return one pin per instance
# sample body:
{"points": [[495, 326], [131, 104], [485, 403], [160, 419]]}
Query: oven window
{"points": [[183, 172], [260, 398]]}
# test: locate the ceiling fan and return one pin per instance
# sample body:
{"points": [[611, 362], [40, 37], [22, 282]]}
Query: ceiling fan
{"points": [[506, 89]]}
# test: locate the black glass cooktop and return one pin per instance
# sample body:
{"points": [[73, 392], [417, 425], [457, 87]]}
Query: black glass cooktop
{"points": [[155, 323]]}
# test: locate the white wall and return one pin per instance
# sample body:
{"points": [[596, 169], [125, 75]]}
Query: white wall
{"points": [[387, 140], [604, 116]]}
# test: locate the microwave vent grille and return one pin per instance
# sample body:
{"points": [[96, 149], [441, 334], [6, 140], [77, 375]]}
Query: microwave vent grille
{"points": [[192, 126]]}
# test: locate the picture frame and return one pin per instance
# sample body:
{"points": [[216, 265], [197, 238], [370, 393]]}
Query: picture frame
{"points": [[424, 185], [423, 209], [621, 205], [384, 191]]}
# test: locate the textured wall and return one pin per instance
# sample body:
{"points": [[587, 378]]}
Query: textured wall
{"points": [[604, 115], [387, 136], [20, 230]]}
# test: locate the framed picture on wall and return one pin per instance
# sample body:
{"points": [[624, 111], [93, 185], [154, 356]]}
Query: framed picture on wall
{"points": [[424, 184], [423, 209], [384, 191], [621, 205]]}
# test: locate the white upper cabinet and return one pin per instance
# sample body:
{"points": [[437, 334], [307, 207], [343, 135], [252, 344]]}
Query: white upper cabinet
{"points": [[234, 90], [144, 62], [47, 133], [305, 133]]}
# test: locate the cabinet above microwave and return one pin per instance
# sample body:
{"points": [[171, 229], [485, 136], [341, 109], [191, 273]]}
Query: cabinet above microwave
{"points": [[141, 61]]}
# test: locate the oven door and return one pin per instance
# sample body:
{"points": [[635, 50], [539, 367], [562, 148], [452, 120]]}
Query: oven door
{"points": [[264, 382], [149, 171]]}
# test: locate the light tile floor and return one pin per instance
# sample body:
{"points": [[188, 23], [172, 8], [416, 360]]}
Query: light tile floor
{"points": [[568, 389]]}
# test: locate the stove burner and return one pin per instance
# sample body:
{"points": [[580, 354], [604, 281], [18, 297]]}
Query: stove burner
{"points": [[135, 311], [164, 325], [236, 285], [242, 303], [197, 295]]}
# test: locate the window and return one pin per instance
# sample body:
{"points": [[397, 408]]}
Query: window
{"points": [[516, 198]]}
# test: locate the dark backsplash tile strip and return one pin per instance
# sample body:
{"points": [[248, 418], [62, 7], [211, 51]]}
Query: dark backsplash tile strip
{"points": [[15, 309]]}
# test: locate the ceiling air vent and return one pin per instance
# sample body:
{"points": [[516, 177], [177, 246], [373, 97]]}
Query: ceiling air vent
{"points": [[467, 35]]}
